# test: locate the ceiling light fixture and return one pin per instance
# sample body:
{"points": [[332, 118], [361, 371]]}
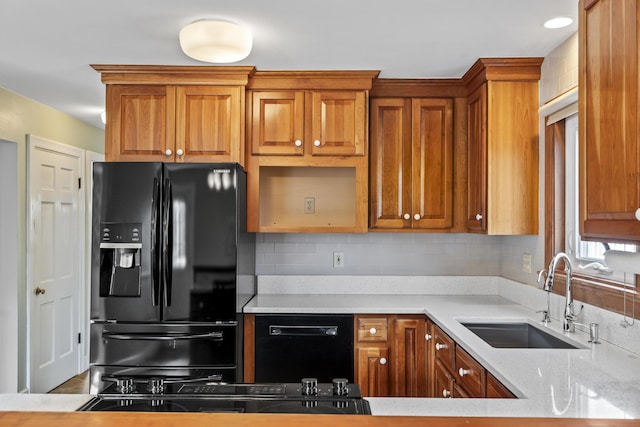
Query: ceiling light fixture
{"points": [[216, 41], [560, 22]]}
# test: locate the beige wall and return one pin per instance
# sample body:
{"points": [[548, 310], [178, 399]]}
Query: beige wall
{"points": [[20, 116]]}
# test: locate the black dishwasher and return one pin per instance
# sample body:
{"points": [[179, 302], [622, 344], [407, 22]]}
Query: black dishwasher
{"points": [[295, 346]]}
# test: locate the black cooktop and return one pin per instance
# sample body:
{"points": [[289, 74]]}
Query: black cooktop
{"points": [[292, 398]]}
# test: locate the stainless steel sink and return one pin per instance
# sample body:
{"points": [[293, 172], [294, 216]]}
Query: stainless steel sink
{"points": [[516, 335]]}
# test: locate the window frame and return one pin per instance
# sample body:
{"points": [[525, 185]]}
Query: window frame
{"points": [[599, 292]]}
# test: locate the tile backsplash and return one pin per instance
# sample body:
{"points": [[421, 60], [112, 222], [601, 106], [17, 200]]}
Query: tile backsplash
{"points": [[378, 254]]}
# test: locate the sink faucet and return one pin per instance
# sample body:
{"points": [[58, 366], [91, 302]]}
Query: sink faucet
{"points": [[569, 315]]}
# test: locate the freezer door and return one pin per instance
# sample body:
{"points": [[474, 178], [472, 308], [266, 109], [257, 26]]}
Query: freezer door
{"points": [[125, 280], [200, 251]]}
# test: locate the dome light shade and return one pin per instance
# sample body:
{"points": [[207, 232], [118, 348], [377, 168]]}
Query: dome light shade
{"points": [[216, 41]]}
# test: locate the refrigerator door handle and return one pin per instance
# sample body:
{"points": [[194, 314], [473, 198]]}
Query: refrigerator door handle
{"points": [[167, 241], [155, 232], [214, 336]]}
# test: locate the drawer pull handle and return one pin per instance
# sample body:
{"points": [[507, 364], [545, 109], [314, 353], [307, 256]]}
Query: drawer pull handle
{"points": [[373, 331], [383, 361], [440, 346], [427, 337], [464, 372], [446, 393]]}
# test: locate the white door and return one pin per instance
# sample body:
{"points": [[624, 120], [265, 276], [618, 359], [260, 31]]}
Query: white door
{"points": [[55, 257]]}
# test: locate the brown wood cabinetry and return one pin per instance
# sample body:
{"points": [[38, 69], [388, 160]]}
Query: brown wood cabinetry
{"points": [[390, 355], [502, 132], [411, 163], [457, 374], [495, 389], [469, 374], [409, 351], [308, 156], [295, 122], [174, 114], [609, 122], [371, 347]]}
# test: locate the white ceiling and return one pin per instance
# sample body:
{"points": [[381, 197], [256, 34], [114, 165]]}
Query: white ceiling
{"points": [[46, 46]]}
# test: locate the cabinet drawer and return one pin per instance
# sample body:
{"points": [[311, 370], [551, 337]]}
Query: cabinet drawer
{"points": [[445, 348], [372, 329], [469, 373]]}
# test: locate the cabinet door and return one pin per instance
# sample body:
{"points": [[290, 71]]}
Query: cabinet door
{"points": [[277, 123], [140, 123], [495, 389], [339, 123], [477, 161], [209, 123], [609, 97], [430, 358], [372, 371], [432, 167], [390, 163], [409, 368]]}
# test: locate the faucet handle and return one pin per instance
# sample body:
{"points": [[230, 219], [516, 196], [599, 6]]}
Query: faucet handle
{"points": [[542, 273]]}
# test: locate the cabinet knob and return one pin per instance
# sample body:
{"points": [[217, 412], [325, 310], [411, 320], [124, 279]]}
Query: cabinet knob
{"points": [[446, 393], [383, 361], [463, 372], [40, 291], [179, 152], [373, 331], [416, 217], [478, 217], [638, 214], [168, 152], [407, 216], [440, 346], [427, 337], [316, 143], [298, 143]]}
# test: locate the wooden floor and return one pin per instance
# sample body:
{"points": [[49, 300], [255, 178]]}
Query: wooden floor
{"points": [[76, 385]]}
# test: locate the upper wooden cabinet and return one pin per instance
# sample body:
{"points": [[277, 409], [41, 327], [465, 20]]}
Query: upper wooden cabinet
{"points": [[609, 125], [175, 114], [411, 163], [292, 123], [308, 146], [502, 114]]}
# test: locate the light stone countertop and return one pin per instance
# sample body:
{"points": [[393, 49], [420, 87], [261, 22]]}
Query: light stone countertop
{"points": [[594, 381], [43, 402]]}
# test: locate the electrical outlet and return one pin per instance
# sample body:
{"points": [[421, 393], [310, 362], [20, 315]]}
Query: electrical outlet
{"points": [[309, 205], [526, 263], [338, 259]]}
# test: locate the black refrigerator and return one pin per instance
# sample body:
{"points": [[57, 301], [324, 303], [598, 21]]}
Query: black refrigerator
{"points": [[172, 265]]}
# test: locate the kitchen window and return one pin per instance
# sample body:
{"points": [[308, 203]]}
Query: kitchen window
{"points": [[593, 283]]}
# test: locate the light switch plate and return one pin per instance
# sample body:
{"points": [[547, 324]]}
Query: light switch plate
{"points": [[338, 259], [526, 263]]}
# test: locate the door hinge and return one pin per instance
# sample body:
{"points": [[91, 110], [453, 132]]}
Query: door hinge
{"points": [[79, 183], [79, 338]]}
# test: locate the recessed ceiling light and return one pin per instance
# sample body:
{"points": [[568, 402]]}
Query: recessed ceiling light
{"points": [[560, 22]]}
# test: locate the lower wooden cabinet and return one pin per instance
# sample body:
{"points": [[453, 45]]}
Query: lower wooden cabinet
{"points": [[391, 355], [372, 370], [457, 374], [371, 353], [495, 389]]}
